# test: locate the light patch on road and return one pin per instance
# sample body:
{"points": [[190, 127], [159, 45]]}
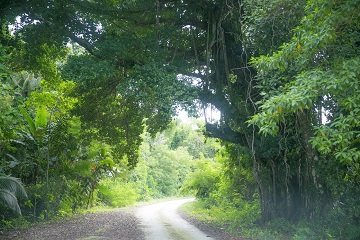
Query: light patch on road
{"points": [[161, 221]]}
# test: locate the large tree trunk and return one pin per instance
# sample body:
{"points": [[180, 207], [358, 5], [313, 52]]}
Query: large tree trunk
{"points": [[308, 185], [287, 180]]}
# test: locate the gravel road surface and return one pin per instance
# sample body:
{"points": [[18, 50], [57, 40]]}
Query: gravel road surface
{"points": [[161, 221], [158, 221]]}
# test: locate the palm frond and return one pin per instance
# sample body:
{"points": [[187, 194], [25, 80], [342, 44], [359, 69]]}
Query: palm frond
{"points": [[13, 185], [9, 199], [10, 189]]}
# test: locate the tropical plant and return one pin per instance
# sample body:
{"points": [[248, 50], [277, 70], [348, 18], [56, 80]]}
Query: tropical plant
{"points": [[11, 189]]}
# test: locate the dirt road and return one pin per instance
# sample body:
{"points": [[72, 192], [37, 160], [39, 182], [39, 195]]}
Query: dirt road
{"points": [[158, 221], [162, 222]]}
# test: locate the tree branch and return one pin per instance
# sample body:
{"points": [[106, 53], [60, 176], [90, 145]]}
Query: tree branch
{"points": [[88, 47], [225, 133]]}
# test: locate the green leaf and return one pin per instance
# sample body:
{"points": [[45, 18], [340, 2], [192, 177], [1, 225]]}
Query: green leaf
{"points": [[41, 118], [107, 161], [29, 120]]}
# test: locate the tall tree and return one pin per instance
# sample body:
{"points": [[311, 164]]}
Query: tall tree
{"points": [[315, 105]]}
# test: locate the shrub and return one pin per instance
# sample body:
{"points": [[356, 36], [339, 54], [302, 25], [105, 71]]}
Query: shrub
{"points": [[203, 180], [117, 193]]}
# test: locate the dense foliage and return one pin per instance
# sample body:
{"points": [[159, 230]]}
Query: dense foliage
{"points": [[82, 80]]}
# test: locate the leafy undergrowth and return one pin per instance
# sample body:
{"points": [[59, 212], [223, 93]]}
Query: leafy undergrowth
{"points": [[242, 222], [237, 221]]}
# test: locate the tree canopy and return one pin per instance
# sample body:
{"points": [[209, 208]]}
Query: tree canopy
{"points": [[92, 75]]}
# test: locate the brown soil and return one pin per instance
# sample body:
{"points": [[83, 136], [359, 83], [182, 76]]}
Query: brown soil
{"points": [[117, 224]]}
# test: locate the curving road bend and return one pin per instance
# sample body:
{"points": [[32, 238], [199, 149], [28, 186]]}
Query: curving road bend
{"points": [[161, 221]]}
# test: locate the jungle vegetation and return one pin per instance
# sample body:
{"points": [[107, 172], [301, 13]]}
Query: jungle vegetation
{"points": [[89, 90]]}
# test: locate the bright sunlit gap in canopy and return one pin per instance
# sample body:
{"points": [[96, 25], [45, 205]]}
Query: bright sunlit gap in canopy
{"points": [[212, 115], [208, 114]]}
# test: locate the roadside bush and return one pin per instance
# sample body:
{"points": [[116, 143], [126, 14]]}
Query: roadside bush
{"points": [[15, 222], [43, 202], [117, 193], [203, 180], [60, 198]]}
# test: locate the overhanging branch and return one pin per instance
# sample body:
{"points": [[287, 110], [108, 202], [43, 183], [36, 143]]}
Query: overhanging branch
{"points": [[88, 47], [225, 133]]}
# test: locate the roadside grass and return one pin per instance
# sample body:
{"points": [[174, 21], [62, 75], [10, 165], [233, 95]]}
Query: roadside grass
{"points": [[227, 217], [197, 210], [244, 221], [241, 222]]}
